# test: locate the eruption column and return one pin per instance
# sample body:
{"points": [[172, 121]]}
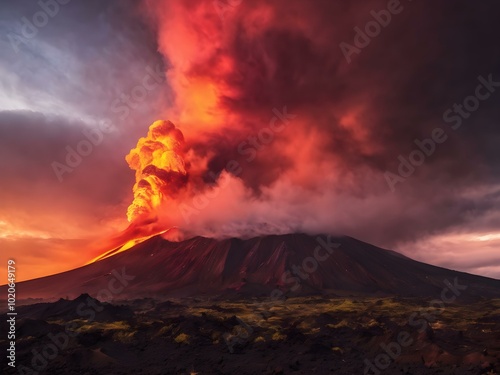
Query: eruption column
{"points": [[160, 170]]}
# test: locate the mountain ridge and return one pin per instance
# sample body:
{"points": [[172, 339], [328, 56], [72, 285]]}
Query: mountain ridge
{"points": [[293, 264]]}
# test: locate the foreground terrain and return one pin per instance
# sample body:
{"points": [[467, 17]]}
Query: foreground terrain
{"points": [[299, 335]]}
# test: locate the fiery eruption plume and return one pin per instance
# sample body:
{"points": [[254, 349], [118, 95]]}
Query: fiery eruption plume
{"points": [[160, 170]]}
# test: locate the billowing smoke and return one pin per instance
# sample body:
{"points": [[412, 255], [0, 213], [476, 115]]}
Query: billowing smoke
{"points": [[160, 170], [283, 133], [271, 131]]}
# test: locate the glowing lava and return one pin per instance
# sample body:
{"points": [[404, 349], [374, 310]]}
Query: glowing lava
{"points": [[127, 245], [160, 170]]}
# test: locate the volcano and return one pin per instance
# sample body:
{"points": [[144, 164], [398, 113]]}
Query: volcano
{"points": [[284, 265]]}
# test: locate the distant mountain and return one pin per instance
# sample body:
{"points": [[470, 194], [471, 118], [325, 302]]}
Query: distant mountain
{"points": [[257, 267], [82, 306]]}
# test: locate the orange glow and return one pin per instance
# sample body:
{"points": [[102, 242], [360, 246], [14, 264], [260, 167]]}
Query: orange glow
{"points": [[203, 99], [138, 231], [354, 122], [127, 245], [160, 168], [160, 171], [211, 84]]}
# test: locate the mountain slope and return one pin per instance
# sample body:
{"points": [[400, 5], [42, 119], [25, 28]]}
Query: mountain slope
{"points": [[256, 266]]}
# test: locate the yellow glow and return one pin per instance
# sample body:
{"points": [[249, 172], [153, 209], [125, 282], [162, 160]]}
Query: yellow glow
{"points": [[127, 245], [8, 231], [156, 155], [488, 237]]}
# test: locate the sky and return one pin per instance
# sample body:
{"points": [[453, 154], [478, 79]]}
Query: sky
{"points": [[376, 120]]}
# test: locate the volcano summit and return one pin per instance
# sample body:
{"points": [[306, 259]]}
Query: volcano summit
{"points": [[283, 265]]}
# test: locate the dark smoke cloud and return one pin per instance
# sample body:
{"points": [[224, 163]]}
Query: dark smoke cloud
{"points": [[326, 171]]}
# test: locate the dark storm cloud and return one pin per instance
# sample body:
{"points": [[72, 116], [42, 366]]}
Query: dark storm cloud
{"points": [[397, 89], [81, 62], [419, 66], [428, 58]]}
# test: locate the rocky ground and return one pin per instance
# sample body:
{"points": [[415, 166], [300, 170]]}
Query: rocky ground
{"points": [[301, 335]]}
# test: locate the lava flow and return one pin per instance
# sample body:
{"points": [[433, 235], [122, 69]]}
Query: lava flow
{"points": [[136, 235]]}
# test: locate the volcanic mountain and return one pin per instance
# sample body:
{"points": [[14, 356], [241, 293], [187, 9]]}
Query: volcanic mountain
{"points": [[295, 264]]}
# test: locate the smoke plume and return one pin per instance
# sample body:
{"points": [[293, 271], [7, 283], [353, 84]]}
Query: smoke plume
{"points": [[159, 168], [283, 134]]}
